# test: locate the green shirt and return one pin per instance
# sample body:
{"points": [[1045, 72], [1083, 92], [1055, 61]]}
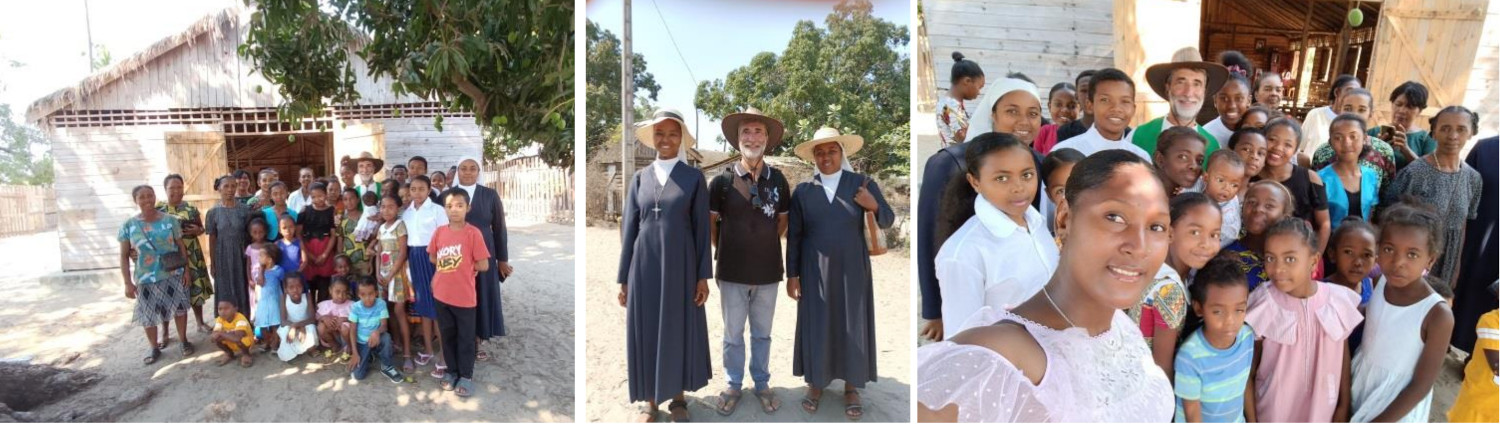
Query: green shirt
{"points": [[1420, 142], [1145, 137]]}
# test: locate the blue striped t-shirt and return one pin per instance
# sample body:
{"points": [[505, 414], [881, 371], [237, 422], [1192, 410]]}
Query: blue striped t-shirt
{"points": [[1214, 377]]}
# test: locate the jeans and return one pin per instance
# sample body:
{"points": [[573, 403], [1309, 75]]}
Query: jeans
{"points": [[456, 326], [383, 351], [758, 304]]}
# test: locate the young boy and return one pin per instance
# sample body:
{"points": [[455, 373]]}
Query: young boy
{"points": [[458, 252], [1112, 101], [368, 316], [233, 336], [1213, 364], [1221, 182], [1179, 158]]}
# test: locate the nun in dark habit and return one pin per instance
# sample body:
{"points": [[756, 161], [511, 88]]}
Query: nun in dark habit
{"points": [[488, 214], [664, 271], [828, 270]]}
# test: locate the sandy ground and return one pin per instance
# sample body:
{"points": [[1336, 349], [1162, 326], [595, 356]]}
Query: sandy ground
{"points": [[87, 327], [887, 400]]}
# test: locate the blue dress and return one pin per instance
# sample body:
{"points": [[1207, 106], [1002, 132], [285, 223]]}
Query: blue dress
{"points": [[663, 253], [268, 305], [291, 256]]}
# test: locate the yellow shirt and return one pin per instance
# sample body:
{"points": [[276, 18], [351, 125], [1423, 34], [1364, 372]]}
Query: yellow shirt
{"points": [[239, 323], [1478, 395]]}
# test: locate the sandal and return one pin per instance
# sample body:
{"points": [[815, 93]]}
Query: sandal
{"points": [[449, 381], [853, 409], [646, 414], [768, 401], [409, 367], [729, 401], [423, 359], [464, 387], [439, 372], [679, 411], [810, 402], [187, 349], [152, 356], [481, 355]]}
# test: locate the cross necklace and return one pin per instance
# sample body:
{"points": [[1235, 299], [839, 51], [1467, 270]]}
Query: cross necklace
{"points": [[656, 208]]}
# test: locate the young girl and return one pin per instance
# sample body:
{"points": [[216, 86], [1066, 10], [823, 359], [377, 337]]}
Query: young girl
{"points": [[1073, 332], [1353, 189], [1003, 252], [1351, 253], [298, 333], [351, 246], [292, 255], [258, 231], [1379, 155], [277, 209], [1062, 104], [1255, 117], [1445, 181], [1213, 365], [439, 181], [318, 232], [1164, 305], [421, 219], [1232, 101], [390, 273], [1250, 144], [268, 308], [1179, 158], [952, 118], [333, 319], [1409, 323], [1283, 138], [368, 222], [1481, 388], [1302, 372], [1265, 203], [1055, 171]]}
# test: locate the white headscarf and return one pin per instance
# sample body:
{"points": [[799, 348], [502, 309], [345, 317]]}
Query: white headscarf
{"points": [[984, 121], [469, 188]]}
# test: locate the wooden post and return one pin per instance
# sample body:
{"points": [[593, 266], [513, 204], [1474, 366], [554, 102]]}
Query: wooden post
{"points": [[627, 106]]}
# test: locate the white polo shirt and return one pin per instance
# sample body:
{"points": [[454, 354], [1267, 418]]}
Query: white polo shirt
{"points": [[992, 261], [1091, 142], [422, 221]]}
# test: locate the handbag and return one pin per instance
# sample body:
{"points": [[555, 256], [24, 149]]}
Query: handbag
{"points": [[874, 237], [170, 261]]}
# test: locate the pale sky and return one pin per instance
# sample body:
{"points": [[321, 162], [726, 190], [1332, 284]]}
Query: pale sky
{"points": [[716, 37], [51, 38]]}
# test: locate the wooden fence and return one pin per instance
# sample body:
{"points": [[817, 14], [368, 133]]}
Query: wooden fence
{"points": [[533, 191], [26, 209]]}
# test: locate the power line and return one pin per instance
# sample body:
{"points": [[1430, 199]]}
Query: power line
{"points": [[674, 43]]}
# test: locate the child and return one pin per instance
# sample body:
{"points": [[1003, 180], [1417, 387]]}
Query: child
{"points": [[1062, 104], [258, 233], [290, 244], [1353, 189], [297, 332], [1379, 155], [1265, 203], [1409, 323], [1226, 173], [370, 217], [234, 335], [459, 252], [333, 318], [1179, 158], [1283, 138], [321, 239], [1112, 99], [268, 308], [1056, 169], [439, 181], [390, 273], [952, 118], [1250, 144], [1255, 117], [1213, 364], [368, 318], [1002, 253], [352, 247], [1477, 397], [1351, 251], [1302, 373], [1164, 305]]}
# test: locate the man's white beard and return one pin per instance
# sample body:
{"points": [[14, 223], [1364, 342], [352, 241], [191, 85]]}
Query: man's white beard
{"points": [[754, 153], [1186, 114]]}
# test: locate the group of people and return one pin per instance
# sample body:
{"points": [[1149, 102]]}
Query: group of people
{"points": [[347, 265], [676, 223], [1235, 265]]}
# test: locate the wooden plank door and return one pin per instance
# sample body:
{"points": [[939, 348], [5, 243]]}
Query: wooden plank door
{"points": [[1433, 42], [200, 157]]}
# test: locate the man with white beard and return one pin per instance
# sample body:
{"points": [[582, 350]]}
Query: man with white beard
{"points": [[747, 208], [1186, 82]]}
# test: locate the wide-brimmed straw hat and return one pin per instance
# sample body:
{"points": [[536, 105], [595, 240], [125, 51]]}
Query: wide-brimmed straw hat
{"points": [[1188, 58], [731, 127], [851, 143], [364, 157], [644, 135]]}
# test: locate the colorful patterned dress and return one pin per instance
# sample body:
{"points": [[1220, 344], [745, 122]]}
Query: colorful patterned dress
{"points": [[359, 265], [200, 288]]}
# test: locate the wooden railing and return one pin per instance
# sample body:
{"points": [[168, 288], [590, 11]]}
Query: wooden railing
{"points": [[533, 191], [26, 209]]}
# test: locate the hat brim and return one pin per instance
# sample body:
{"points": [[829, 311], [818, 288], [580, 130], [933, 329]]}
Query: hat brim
{"points": [[379, 163], [731, 129], [644, 135], [850, 142], [1156, 77]]}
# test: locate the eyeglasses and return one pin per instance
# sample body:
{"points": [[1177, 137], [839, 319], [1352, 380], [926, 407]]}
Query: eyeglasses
{"points": [[754, 193]]}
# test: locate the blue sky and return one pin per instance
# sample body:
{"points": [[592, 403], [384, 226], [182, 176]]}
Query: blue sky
{"points": [[715, 37]]}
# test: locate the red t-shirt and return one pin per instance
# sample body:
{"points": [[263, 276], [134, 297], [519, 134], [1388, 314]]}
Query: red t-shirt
{"points": [[456, 252]]}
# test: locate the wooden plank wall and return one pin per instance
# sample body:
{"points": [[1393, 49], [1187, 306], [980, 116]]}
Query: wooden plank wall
{"points": [[1434, 42], [407, 137], [1050, 41], [27, 209], [1483, 93]]}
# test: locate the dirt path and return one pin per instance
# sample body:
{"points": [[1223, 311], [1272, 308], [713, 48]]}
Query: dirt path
{"points": [[87, 328], [887, 400]]}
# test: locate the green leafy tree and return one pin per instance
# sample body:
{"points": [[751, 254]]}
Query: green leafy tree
{"points": [[852, 75], [19, 144], [509, 62], [603, 95], [101, 57]]}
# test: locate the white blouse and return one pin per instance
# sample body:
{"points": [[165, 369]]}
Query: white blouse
{"points": [[422, 222], [1105, 378], [992, 261]]}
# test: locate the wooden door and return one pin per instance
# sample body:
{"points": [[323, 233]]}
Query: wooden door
{"points": [[200, 157], [1433, 42]]}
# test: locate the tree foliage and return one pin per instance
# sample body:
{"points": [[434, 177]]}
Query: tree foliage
{"points": [[509, 62], [19, 144], [852, 75], [603, 92]]}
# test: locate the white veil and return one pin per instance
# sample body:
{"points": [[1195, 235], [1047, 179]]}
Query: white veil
{"points": [[983, 121]]}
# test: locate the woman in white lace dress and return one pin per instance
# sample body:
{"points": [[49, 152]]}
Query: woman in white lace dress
{"points": [[1068, 354]]}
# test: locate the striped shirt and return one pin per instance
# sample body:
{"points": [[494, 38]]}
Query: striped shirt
{"points": [[1215, 377]]}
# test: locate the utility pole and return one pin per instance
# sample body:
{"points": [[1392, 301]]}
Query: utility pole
{"points": [[627, 108], [88, 28]]}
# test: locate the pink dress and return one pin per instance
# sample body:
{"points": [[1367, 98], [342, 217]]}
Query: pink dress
{"points": [[1105, 378], [1302, 356]]}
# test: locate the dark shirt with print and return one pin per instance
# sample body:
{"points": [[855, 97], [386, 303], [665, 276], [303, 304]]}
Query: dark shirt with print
{"points": [[749, 249]]}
